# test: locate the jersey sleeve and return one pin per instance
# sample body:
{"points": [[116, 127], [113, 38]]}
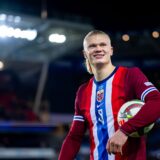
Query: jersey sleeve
{"points": [[72, 142], [144, 90]]}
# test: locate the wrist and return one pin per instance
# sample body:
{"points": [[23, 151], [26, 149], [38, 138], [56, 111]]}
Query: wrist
{"points": [[127, 134]]}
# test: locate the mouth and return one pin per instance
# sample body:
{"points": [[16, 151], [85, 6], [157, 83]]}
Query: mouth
{"points": [[98, 56]]}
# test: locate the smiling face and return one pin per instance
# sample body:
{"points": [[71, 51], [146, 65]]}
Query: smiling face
{"points": [[98, 49]]}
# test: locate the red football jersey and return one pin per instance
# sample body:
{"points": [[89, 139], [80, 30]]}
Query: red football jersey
{"points": [[96, 108]]}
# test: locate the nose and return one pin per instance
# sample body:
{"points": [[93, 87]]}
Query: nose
{"points": [[98, 48]]}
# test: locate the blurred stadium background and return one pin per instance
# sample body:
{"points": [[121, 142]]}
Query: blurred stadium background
{"points": [[41, 67]]}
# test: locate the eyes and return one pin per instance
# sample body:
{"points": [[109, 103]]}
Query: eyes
{"points": [[91, 46]]}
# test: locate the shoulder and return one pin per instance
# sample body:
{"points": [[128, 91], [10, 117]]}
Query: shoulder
{"points": [[136, 78], [135, 72], [133, 75], [131, 69], [82, 93], [134, 69], [84, 86], [128, 70]]}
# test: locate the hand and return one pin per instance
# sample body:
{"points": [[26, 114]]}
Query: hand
{"points": [[116, 142]]}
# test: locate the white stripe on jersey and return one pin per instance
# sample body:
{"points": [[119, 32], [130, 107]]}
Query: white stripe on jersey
{"points": [[109, 113], [94, 121], [78, 118], [145, 92]]}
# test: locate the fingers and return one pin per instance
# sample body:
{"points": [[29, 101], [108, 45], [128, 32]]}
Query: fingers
{"points": [[116, 142], [108, 148], [121, 151], [113, 148]]}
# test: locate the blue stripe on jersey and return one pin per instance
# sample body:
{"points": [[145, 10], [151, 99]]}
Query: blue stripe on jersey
{"points": [[102, 129]]}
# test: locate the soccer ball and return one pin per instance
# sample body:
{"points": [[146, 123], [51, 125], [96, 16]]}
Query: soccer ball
{"points": [[129, 110]]}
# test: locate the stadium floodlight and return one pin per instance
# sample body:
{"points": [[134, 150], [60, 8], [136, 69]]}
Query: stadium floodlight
{"points": [[17, 19], [29, 34], [9, 18], [1, 65], [3, 17], [57, 38]]}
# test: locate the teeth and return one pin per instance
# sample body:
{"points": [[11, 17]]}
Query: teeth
{"points": [[98, 55]]}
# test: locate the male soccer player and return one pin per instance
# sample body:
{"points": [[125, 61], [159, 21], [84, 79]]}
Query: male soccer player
{"points": [[99, 100]]}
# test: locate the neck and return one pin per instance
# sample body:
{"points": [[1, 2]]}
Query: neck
{"points": [[103, 72]]}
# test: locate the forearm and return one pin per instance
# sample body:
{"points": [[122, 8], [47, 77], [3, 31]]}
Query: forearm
{"points": [[73, 141], [69, 148], [149, 113]]}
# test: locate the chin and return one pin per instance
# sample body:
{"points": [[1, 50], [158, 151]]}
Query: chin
{"points": [[99, 62]]}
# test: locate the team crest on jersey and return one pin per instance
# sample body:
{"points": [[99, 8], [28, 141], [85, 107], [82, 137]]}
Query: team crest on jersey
{"points": [[100, 95]]}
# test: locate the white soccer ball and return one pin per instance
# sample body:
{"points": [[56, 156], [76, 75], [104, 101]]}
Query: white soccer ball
{"points": [[129, 110]]}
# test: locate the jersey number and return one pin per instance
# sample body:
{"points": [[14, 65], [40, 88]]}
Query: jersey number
{"points": [[100, 117]]}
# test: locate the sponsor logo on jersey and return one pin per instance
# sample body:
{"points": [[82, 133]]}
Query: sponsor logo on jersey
{"points": [[99, 105]]}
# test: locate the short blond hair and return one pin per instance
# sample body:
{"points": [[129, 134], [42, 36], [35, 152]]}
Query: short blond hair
{"points": [[95, 32]]}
